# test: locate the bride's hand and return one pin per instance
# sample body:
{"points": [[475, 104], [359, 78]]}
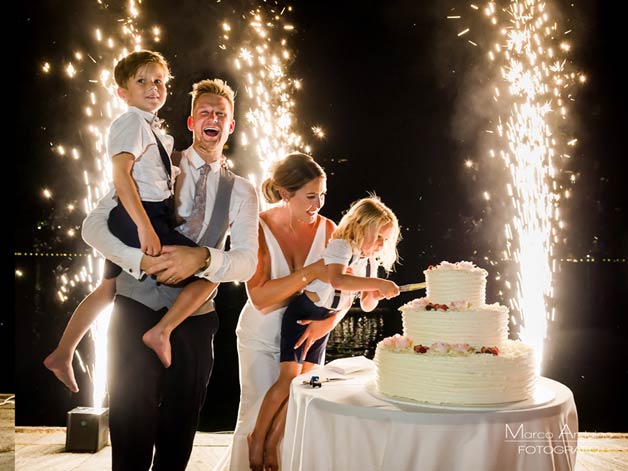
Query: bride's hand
{"points": [[314, 331], [318, 270]]}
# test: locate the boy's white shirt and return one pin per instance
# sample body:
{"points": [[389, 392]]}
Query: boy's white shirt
{"points": [[132, 132]]}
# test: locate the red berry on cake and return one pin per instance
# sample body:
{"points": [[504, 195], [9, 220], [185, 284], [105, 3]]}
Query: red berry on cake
{"points": [[491, 350]]}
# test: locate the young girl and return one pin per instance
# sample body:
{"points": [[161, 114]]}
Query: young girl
{"points": [[365, 238]]}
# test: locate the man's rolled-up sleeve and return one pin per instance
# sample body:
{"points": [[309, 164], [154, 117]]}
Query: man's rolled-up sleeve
{"points": [[95, 232]]}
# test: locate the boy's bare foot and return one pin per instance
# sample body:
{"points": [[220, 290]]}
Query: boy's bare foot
{"points": [[271, 461], [256, 453], [61, 366], [159, 342]]}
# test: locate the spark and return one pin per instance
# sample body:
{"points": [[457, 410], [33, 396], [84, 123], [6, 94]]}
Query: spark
{"points": [[318, 132], [70, 70]]}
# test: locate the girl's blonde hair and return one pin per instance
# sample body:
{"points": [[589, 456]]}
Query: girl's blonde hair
{"points": [[370, 214]]}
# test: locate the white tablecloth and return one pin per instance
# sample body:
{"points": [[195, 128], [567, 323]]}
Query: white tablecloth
{"points": [[342, 426]]}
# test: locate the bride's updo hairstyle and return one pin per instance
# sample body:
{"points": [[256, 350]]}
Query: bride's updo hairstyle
{"points": [[291, 174]]}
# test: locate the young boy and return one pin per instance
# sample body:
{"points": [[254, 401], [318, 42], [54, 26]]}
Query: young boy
{"points": [[143, 178]]}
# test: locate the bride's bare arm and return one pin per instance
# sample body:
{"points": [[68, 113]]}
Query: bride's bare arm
{"points": [[267, 294]]}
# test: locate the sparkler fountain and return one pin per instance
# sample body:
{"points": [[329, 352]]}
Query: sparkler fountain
{"points": [[101, 107], [531, 92], [262, 58]]}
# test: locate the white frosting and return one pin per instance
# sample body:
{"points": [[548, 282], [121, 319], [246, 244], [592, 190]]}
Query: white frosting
{"points": [[456, 282], [451, 378], [484, 326]]}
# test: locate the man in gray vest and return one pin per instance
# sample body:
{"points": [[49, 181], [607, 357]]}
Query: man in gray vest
{"points": [[151, 406]]}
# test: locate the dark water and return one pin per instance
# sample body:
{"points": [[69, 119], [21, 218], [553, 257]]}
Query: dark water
{"points": [[585, 350]]}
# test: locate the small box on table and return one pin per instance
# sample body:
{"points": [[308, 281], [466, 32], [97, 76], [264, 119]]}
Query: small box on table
{"points": [[88, 429]]}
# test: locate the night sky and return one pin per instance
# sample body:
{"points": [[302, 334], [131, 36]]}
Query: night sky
{"points": [[390, 84]]}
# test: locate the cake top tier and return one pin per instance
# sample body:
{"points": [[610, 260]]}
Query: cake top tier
{"points": [[456, 282], [458, 266]]}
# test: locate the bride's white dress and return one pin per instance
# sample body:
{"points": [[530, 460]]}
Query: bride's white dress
{"points": [[258, 338]]}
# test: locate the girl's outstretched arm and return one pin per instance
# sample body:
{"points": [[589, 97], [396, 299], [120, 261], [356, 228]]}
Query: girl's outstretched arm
{"points": [[340, 279]]}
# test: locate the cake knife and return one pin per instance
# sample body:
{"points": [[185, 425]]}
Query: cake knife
{"points": [[411, 287], [317, 381]]}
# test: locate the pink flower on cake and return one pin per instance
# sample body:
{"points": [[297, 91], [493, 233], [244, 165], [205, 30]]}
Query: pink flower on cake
{"points": [[459, 305], [419, 302], [397, 342], [465, 265], [461, 348], [441, 347]]}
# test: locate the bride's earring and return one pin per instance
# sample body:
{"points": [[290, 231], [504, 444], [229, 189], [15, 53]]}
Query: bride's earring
{"points": [[290, 214]]}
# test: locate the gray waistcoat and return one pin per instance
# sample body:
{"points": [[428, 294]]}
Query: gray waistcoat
{"points": [[157, 296]]}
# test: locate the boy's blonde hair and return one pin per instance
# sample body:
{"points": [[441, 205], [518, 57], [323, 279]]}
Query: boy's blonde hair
{"points": [[127, 67], [370, 214], [217, 87]]}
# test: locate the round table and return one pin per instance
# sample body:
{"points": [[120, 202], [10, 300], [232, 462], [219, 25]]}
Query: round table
{"points": [[344, 425]]}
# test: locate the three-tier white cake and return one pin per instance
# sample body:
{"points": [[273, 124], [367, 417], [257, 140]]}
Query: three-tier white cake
{"points": [[455, 347]]}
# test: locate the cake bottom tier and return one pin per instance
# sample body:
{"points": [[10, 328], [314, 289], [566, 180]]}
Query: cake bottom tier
{"points": [[445, 378]]}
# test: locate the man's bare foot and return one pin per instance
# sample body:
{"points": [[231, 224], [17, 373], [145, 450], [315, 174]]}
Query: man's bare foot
{"points": [[256, 453], [61, 366], [271, 461], [157, 340]]}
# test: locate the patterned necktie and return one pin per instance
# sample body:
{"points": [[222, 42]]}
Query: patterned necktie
{"points": [[192, 227]]}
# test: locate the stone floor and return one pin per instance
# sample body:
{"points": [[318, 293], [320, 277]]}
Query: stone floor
{"points": [[7, 432], [38, 448]]}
